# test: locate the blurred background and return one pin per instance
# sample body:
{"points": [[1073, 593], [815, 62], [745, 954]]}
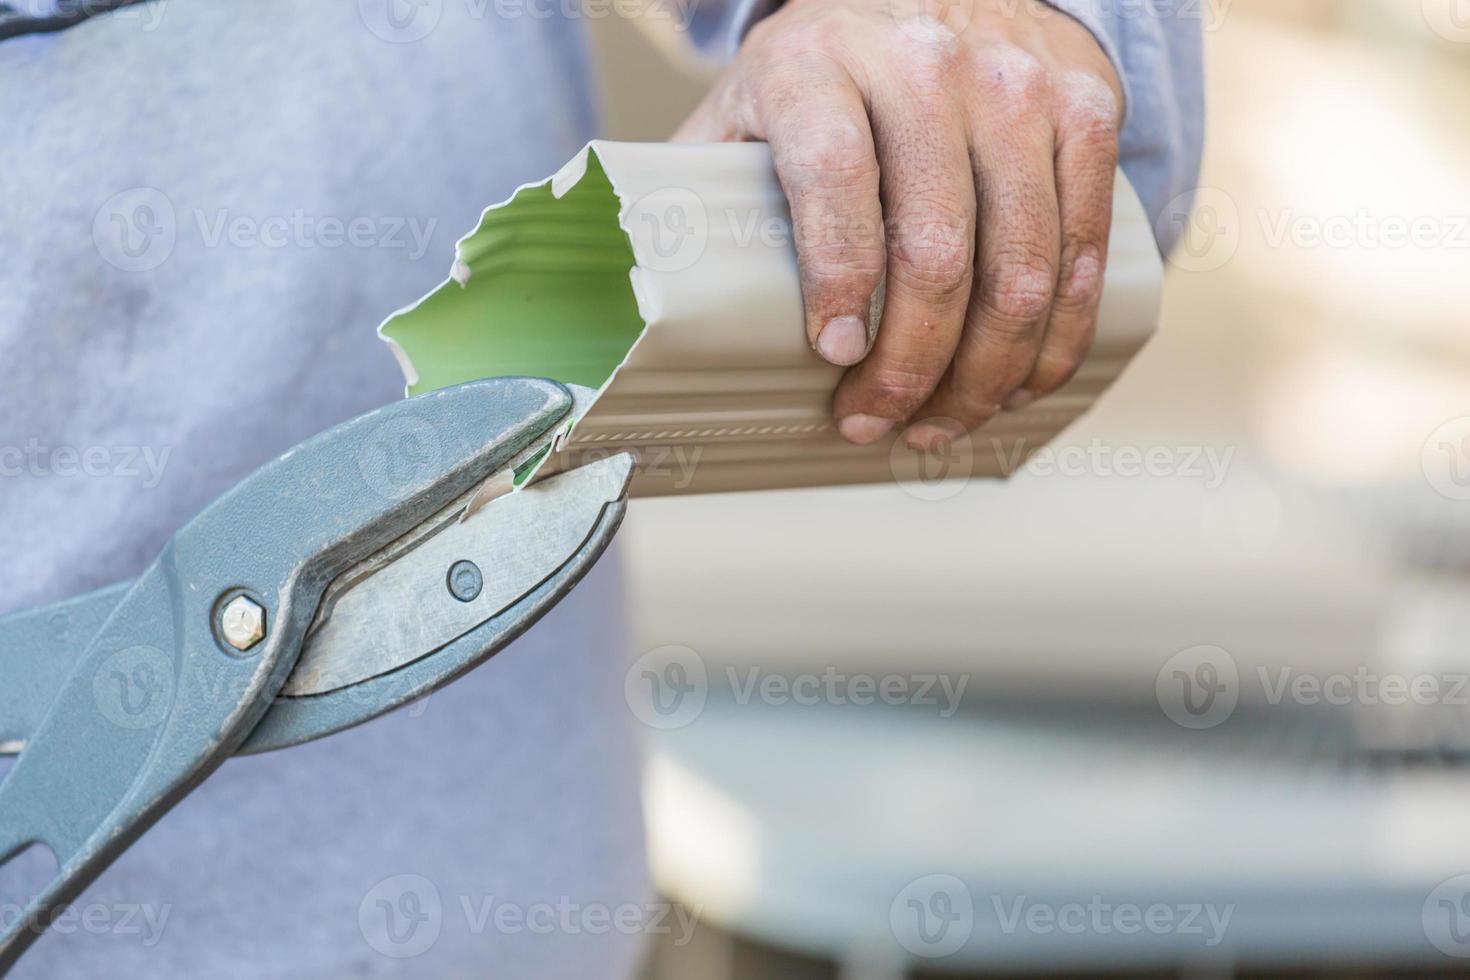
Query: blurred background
{"points": [[1207, 716]]}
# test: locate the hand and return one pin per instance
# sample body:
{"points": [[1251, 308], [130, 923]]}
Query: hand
{"points": [[967, 164]]}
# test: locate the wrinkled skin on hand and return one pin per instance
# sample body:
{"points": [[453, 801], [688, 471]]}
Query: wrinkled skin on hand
{"points": [[960, 155]]}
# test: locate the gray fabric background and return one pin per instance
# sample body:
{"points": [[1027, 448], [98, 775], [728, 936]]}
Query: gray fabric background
{"points": [[519, 782]]}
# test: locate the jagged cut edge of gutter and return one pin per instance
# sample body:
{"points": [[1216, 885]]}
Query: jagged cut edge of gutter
{"points": [[645, 300], [530, 463]]}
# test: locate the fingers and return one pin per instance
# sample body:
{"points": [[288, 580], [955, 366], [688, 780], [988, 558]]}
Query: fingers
{"points": [[1019, 250], [929, 213], [891, 148], [817, 126], [1087, 158]]}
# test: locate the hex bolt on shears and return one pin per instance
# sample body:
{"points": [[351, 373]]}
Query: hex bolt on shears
{"points": [[363, 569]]}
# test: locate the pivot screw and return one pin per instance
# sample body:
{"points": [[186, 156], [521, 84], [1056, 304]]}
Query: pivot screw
{"points": [[242, 623], [465, 580]]}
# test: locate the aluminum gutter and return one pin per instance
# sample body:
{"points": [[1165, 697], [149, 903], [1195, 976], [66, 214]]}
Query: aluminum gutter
{"points": [[719, 389]]}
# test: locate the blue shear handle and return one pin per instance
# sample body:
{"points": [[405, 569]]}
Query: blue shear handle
{"points": [[38, 652], [157, 701]]}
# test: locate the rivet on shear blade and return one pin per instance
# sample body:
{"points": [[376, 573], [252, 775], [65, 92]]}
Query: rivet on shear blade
{"points": [[465, 580]]}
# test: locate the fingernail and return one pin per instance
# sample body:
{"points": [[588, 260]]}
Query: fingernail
{"points": [[1019, 399], [843, 340], [864, 429], [932, 437]]}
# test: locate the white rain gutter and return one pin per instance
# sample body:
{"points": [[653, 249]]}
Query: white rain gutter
{"points": [[713, 386]]}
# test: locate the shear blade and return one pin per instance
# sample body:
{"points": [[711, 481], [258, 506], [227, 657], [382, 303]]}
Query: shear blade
{"points": [[397, 612]]}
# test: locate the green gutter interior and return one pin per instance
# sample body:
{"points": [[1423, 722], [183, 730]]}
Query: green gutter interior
{"points": [[548, 294]]}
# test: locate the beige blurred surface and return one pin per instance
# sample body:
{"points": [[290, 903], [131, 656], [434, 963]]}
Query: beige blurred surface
{"points": [[645, 93]]}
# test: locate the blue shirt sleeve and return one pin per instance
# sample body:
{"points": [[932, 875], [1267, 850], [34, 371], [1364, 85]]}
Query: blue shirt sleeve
{"points": [[716, 27]]}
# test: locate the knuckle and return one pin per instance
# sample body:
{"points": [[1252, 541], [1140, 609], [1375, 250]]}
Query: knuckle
{"points": [[998, 362], [1082, 288], [827, 263], [857, 241], [836, 150], [845, 281], [1017, 291], [1015, 310], [1054, 368], [968, 402], [1013, 77], [933, 258], [933, 63], [1089, 103], [896, 391]]}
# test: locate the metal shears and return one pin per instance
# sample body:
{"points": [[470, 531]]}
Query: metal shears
{"points": [[359, 571]]}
